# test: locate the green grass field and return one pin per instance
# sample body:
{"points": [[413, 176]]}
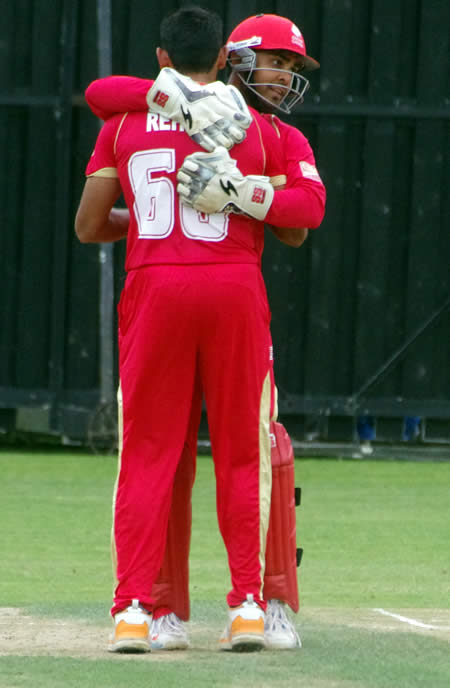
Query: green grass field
{"points": [[375, 536]]}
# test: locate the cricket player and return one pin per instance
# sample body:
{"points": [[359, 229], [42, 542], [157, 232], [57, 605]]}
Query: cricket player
{"points": [[193, 316], [267, 57]]}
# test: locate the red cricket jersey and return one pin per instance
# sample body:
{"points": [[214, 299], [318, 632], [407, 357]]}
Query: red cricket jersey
{"points": [[301, 204], [145, 150]]}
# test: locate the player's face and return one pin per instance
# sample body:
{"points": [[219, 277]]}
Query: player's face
{"points": [[269, 77]]}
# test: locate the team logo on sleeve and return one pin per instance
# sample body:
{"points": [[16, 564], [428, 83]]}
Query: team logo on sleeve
{"points": [[309, 171]]}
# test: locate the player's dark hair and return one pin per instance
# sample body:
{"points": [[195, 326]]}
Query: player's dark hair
{"points": [[192, 36]]}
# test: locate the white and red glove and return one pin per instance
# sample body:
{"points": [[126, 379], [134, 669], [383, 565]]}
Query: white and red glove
{"points": [[212, 114], [212, 183]]}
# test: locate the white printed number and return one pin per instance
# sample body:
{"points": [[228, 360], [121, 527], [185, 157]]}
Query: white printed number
{"points": [[155, 197]]}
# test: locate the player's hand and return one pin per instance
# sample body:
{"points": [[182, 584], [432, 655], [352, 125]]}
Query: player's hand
{"points": [[212, 183], [212, 114]]}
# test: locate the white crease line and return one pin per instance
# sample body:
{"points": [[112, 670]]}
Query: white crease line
{"points": [[412, 622]]}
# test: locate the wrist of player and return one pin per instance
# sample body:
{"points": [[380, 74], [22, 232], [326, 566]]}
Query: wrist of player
{"points": [[212, 183], [253, 197], [163, 98], [211, 114]]}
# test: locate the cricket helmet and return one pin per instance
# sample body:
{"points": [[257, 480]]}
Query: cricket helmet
{"points": [[272, 33]]}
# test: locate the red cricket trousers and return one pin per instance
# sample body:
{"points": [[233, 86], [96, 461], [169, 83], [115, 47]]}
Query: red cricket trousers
{"points": [[185, 329]]}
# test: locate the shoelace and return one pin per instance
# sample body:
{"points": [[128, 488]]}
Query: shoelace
{"points": [[169, 622], [276, 619]]}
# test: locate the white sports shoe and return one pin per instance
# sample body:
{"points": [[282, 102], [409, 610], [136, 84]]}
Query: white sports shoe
{"points": [[168, 633], [245, 629], [131, 630], [279, 631]]}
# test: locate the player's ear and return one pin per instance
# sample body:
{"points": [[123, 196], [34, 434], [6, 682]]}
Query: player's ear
{"points": [[222, 57], [163, 58]]}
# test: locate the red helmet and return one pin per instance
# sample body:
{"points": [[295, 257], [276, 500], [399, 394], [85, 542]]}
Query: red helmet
{"points": [[269, 32]]}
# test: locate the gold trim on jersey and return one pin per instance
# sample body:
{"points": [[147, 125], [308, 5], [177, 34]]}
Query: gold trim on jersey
{"points": [[275, 126], [118, 132], [107, 172], [119, 463], [261, 140], [265, 471], [275, 404], [278, 180]]}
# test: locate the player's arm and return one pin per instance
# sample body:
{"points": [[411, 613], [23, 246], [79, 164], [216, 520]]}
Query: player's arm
{"points": [[304, 187], [302, 178], [211, 114], [300, 206], [113, 94], [97, 220], [294, 237], [212, 182]]}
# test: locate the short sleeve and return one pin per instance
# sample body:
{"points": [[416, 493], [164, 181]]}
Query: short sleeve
{"points": [[103, 162]]}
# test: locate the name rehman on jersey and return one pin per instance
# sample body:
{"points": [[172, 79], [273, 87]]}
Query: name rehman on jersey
{"points": [[157, 122]]}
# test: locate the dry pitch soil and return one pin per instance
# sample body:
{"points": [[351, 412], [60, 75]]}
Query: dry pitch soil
{"points": [[25, 635]]}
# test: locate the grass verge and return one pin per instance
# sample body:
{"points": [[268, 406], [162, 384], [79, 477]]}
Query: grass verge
{"points": [[375, 534]]}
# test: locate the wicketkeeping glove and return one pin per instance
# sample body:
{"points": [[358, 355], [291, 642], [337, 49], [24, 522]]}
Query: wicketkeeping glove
{"points": [[212, 183], [212, 114]]}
